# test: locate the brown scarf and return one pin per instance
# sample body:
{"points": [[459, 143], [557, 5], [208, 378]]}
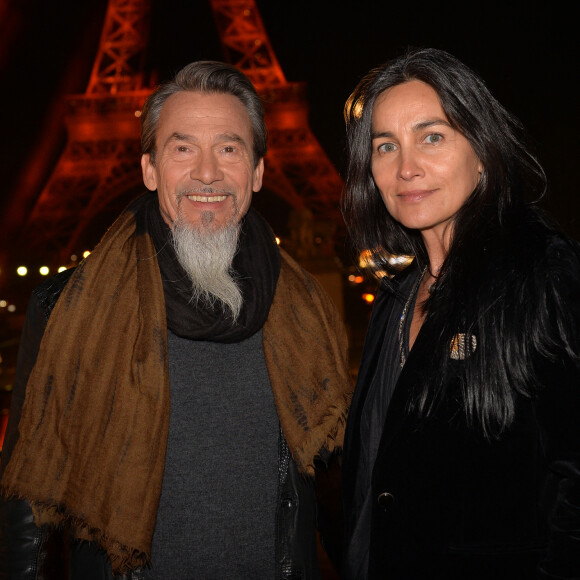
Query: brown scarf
{"points": [[93, 430]]}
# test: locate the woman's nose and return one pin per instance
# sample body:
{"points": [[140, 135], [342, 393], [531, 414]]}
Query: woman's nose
{"points": [[409, 165]]}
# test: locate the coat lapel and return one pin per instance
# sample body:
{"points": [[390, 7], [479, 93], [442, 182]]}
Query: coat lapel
{"points": [[411, 378]]}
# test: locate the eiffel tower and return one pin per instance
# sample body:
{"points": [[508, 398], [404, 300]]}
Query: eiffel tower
{"points": [[98, 172]]}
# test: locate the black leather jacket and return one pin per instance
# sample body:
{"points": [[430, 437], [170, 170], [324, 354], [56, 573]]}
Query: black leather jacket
{"points": [[31, 553]]}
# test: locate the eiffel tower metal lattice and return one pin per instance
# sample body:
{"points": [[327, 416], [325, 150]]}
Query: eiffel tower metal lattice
{"points": [[99, 169]]}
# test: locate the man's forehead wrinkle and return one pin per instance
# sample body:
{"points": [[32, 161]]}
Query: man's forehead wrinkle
{"points": [[219, 138]]}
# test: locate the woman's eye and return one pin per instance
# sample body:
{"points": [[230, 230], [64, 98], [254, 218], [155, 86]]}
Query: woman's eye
{"points": [[434, 138], [387, 148]]}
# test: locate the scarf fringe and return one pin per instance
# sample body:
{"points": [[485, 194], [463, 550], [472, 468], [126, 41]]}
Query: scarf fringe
{"points": [[333, 425], [123, 558]]}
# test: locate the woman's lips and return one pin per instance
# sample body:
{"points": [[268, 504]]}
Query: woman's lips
{"points": [[415, 194]]}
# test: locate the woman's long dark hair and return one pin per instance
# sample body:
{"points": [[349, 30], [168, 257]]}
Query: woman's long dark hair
{"points": [[481, 290]]}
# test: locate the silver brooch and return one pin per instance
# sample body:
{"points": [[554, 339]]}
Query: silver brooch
{"points": [[460, 348]]}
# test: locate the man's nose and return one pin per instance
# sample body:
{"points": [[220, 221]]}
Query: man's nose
{"points": [[207, 169]]}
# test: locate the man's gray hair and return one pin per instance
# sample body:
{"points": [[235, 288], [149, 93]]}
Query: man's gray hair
{"points": [[205, 76]]}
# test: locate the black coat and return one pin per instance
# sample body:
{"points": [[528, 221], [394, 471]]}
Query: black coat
{"points": [[446, 502]]}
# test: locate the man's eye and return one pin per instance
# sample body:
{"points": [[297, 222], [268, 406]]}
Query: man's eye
{"points": [[434, 138], [387, 148], [182, 148], [229, 149]]}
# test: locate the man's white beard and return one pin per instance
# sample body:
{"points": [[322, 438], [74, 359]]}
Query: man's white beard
{"points": [[206, 253]]}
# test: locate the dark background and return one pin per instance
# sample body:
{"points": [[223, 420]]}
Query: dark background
{"points": [[526, 51]]}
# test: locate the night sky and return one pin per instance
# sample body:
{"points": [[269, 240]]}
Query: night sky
{"points": [[526, 51]]}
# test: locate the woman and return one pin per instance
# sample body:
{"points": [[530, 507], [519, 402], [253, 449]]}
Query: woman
{"points": [[462, 452]]}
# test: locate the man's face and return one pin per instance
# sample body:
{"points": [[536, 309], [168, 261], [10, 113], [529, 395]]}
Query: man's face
{"points": [[204, 168]]}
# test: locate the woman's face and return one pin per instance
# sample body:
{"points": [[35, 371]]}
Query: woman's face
{"points": [[424, 169]]}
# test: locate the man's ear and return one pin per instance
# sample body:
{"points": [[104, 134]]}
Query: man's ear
{"points": [[148, 169], [257, 177]]}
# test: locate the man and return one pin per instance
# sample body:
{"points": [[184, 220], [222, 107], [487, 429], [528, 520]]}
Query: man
{"points": [[187, 382]]}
